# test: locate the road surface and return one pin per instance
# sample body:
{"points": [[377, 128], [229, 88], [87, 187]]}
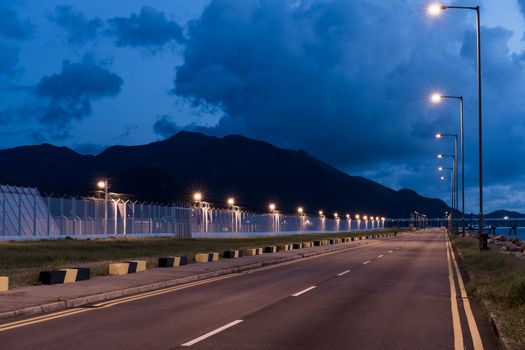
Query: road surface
{"points": [[402, 293]]}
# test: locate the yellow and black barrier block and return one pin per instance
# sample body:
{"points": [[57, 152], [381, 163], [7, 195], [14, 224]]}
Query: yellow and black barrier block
{"points": [[331, 241], [338, 241], [173, 261], [308, 244], [254, 251], [285, 247], [233, 254], [270, 249], [317, 243], [297, 245], [206, 257], [324, 242], [119, 269], [4, 283], [65, 275]]}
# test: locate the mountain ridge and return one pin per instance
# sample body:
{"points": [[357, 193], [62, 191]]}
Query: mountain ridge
{"points": [[253, 171]]}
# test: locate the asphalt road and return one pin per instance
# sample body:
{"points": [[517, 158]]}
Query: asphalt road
{"points": [[395, 294]]}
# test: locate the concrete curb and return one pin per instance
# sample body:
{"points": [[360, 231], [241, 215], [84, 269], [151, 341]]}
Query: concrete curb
{"points": [[97, 298], [503, 341]]}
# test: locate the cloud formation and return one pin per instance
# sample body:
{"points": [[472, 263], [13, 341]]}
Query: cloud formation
{"points": [[71, 91], [165, 127], [150, 29], [349, 80], [12, 30], [80, 29]]}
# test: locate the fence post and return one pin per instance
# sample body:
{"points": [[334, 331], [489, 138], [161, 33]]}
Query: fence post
{"points": [[3, 215], [34, 214], [61, 216], [19, 214]]}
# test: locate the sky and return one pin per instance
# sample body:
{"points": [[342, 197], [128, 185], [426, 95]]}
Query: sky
{"points": [[347, 81]]}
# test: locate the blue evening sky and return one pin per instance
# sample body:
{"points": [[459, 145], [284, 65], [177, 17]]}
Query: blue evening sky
{"points": [[347, 81]]}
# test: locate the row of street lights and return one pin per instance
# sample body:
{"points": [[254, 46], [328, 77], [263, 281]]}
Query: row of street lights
{"points": [[436, 9]]}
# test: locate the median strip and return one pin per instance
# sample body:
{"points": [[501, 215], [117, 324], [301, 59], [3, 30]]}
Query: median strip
{"points": [[303, 291], [212, 333]]}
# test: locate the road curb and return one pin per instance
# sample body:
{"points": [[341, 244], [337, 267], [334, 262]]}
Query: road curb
{"points": [[503, 341], [101, 297]]}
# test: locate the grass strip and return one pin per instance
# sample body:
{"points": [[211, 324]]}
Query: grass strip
{"points": [[23, 260], [496, 281]]}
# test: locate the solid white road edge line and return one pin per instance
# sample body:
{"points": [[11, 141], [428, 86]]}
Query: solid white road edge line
{"points": [[212, 333], [343, 273], [303, 291]]}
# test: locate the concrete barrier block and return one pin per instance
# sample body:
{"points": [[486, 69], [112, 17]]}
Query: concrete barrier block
{"points": [[4, 283], [254, 251], [137, 266], [331, 241], [270, 249], [308, 244], [324, 242], [338, 241], [118, 269], [297, 245], [76, 274], [206, 257], [173, 261], [284, 247], [233, 254]]}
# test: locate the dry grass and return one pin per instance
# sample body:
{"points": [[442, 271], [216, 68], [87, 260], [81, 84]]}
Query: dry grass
{"points": [[497, 281], [22, 261]]}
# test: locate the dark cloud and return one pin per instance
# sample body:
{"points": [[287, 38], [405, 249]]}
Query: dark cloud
{"points": [[71, 91], [80, 29], [165, 127], [11, 26], [150, 29], [349, 81], [12, 30]]}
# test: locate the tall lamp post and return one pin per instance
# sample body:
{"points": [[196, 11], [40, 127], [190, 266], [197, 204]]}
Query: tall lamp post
{"points": [[436, 98], [443, 178], [456, 188], [103, 185], [453, 179], [436, 9]]}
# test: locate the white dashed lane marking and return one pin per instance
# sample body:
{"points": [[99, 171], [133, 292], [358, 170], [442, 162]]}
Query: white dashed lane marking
{"points": [[343, 273], [303, 291]]}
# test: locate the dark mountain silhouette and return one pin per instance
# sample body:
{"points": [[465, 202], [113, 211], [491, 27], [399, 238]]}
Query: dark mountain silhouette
{"points": [[255, 172], [500, 214]]}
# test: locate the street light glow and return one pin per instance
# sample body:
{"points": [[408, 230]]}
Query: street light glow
{"points": [[271, 206], [300, 210], [336, 215], [435, 9], [320, 213], [231, 201], [442, 178], [440, 168], [438, 136], [348, 216], [101, 184], [436, 98], [357, 217], [440, 156], [197, 196]]}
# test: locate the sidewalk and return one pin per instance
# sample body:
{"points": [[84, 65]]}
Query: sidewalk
{"points": [[34, 300]]}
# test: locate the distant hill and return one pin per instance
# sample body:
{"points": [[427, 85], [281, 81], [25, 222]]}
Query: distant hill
{"points": [[500, 214], [255, 172]]}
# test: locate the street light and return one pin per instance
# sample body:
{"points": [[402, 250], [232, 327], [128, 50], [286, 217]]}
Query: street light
{"points": [[300, 210], [451, 190], [197, 196], [103, 184], [272, 208], [462, 141], [231, 201], [455, 136], [436, 9]]}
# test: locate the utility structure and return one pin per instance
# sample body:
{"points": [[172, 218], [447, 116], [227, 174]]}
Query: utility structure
{"points": [[456, 177], [436, 9], [436, 98]]}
